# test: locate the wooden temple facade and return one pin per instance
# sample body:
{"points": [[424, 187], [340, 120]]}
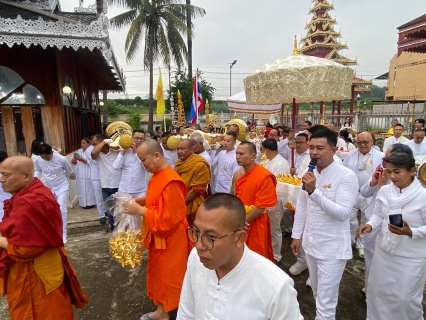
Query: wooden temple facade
{"points": [[323, 41], [407, 70], [52, 66]]}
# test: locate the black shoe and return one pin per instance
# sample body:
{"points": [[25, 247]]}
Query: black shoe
{"points": [[102, 220], [277, 263], [286, 234]]}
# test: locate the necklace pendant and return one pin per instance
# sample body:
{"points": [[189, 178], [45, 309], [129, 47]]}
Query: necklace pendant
{"points": [[365, 167]]}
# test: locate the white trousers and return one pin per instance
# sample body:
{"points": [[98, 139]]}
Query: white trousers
{"points": [[395, 287], [369, 247], [360, 205], [98, 197], [62, 199], [325, 280], [275, 216]]}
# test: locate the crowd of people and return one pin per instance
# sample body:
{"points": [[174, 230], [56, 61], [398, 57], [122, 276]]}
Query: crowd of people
{"points": [[213, 223]]}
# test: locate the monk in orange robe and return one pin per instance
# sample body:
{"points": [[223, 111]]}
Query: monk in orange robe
{"points": [[195, 172], [35, 273], [164, 230], [255, 186]]}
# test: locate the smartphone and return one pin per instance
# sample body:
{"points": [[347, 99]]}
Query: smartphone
{"points": [[76, 154], [396, 220], [377, 175]]}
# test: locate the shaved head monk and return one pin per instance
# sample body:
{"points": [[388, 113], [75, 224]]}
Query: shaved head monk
{"points": [[35, 273], [164, 230], [227, 280], [195, 172], [255, 186]]}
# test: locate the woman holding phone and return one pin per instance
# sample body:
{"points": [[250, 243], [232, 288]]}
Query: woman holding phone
{"points": [[86, 195], [398, 270]]}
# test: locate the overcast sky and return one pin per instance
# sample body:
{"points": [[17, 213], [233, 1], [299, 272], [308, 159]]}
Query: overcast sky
{"points": [[257, 32]]}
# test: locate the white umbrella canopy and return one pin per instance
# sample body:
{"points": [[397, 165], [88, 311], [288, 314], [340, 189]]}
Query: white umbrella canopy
{"points": [[237, 103], [299, 77]]}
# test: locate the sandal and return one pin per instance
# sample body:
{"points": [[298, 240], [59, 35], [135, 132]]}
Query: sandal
{"points": [[147, 316]]}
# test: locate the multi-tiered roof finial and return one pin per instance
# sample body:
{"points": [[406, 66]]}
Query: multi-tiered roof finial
{"points": [[321, 39], [295, 49]]}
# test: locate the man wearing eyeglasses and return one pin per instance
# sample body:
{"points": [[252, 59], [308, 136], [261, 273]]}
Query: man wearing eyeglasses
{"points": [[363, 161], [133, 175], [224, 278]]}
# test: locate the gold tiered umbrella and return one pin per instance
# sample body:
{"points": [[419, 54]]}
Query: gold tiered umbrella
{"points": [[303, 78]]}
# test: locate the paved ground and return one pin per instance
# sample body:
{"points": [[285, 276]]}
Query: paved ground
{"points": [[117, 294]]}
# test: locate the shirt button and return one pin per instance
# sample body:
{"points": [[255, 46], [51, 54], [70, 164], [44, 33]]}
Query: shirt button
{"points": [[215, 297]]}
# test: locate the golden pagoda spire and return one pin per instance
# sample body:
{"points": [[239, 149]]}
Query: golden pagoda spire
{"points": [[295, 49]]}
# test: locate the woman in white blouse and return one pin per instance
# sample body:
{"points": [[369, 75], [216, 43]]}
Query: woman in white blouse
{"points": [[398, 270], [85, 192], [343, 134]]}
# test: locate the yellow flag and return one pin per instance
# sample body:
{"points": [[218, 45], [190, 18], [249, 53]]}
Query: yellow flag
{"points": [[159, 96]]}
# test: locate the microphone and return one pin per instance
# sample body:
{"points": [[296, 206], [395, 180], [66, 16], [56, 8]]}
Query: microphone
{"points": [[312, 165]]}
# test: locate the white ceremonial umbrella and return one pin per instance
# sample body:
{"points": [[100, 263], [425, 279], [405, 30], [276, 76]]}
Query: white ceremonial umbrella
{"points": [[237, 103], [299, 77]]}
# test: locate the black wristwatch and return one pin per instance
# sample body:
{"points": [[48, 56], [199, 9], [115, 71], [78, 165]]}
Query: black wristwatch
{"points": [[313, 190]]}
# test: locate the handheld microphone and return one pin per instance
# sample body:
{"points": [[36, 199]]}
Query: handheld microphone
{"points": [[312, 165]]}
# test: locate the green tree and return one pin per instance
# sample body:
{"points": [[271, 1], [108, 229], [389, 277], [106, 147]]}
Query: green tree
{"points": [[158, 25], [184, 83], [135, 121]]}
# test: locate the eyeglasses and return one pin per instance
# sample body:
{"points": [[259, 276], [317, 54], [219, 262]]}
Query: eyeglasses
{"points": [[206, 240], [363, 142]]}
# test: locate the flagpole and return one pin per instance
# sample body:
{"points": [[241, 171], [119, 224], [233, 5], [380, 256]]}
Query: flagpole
{"points": [[164, 119], [196, 102]]}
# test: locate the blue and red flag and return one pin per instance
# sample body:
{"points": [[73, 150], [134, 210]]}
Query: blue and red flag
{"points": [[197, 101]]}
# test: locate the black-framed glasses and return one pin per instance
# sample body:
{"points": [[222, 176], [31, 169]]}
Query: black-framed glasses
{"points": [[206, 240]]}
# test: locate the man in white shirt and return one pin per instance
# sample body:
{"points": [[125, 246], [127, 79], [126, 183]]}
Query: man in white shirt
{"points": [[235, 128], [170, 155], [56, 170], [396, 138], [199, 146], [226, 161], [301, 151], [340, 141], [96, 181], [110, 177], [276, 164], [363, 161], [322, 218], [282, 145], [224, 278], [133, 174], [418, 144]]}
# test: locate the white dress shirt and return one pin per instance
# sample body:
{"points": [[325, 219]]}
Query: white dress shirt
{"points": [[255, 289], [341, 143], [206, 156], [419, 149], [55, 171], [299, 159], [110, 177], [283, 149], [94, 167], [392, 140], [133, 174], [277, 165], [323, 217], [170, 156], [226, 162]]}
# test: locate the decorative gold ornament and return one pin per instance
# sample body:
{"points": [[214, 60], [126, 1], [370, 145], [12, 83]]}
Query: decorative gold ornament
{"points": [[180, 109], [116, 130], [126, 247], [207, 112]]}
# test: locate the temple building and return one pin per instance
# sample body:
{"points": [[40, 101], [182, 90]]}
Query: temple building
{"points": [[324, 42], [53, 65], [407, 70]]}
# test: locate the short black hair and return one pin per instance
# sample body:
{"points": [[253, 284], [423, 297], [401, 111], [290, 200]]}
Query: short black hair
{"points": [[166, 134], [232, 133], [230, 202], [45, 149], [303, 135], [3, 155], [420, 121], [315, 128], [156, 128], [35, 147], [137, 131], [309, 123], [401, 148], [326, 133], [399, 125], [345, 135], [270, 144], [400, 160], [250, 145], [286, 129], [100, 137], [91, 135]]}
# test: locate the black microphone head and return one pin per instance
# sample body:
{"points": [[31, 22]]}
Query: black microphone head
{"points": [[313, 162]]}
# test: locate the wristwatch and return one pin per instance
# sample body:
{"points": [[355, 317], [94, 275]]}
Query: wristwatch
{"points": [[313, 190]]}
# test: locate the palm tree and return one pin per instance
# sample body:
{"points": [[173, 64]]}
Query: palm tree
{"points": [[160, 26]]}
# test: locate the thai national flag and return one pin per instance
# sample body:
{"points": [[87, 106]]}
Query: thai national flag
{"points": [[197, 101]]}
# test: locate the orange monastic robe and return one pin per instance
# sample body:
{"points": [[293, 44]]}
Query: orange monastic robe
{"points": [[257, 187], [195, 172], [35, 273], [165, 236]]}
